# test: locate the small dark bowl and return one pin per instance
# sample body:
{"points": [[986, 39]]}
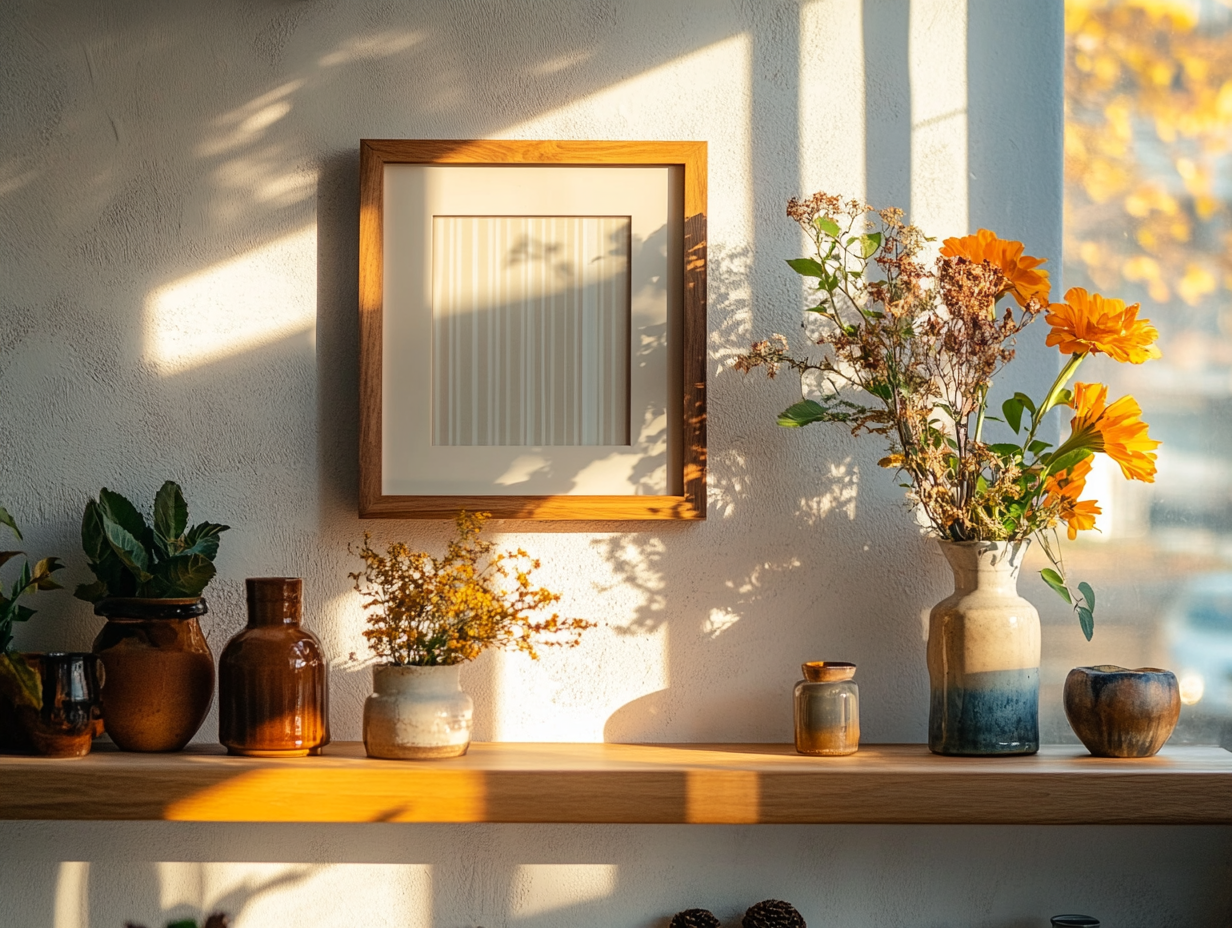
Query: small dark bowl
{"points": [[1122, 713]]}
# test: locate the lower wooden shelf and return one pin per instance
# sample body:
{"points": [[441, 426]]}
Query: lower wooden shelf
{"points": [[627, 783]]}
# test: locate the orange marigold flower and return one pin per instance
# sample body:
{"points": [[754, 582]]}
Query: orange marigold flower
{"points": [[1116, 430], [1080, 517], [1022, 280], [1064, 488], [1088, 322]]}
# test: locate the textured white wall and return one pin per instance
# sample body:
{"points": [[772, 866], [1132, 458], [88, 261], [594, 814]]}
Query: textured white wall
{"points": [[178, 194]]}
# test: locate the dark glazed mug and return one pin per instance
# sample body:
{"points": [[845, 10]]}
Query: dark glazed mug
{"points": [[64, 725], [1117, 712]]}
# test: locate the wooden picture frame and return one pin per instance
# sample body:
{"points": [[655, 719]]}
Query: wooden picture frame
{"points": [[398, 312]]}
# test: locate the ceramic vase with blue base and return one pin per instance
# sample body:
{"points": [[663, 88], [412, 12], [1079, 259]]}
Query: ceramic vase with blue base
{"points": [[984, 655]]}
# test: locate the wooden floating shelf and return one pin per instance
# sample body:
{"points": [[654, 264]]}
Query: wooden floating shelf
{"points": [[627, 783]]}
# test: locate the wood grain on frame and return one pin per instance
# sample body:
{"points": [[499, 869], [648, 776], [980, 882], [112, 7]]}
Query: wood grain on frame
{"points": [[688, 156]]}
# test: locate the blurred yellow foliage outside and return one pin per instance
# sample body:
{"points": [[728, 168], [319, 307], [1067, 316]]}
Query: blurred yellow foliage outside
{"points": [[1148, 131]]}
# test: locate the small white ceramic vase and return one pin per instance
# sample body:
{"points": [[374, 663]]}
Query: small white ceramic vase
{"points": [[417, 713]]}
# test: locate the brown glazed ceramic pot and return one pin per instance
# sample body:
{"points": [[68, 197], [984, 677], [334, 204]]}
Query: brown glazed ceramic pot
{"points": [[64, 726], [273, 698], [1122, 713], [160, 671]]}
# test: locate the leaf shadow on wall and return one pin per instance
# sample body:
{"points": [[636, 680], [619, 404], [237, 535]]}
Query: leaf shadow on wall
{"points": [[175, 177], [530, 351], [146, 886], [777, 585], [337, 410]]}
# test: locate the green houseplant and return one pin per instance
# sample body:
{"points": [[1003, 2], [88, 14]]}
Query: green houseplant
{"points": [[165, 560], [28, 581], [20, 683], [150, 577], [62, 725]]}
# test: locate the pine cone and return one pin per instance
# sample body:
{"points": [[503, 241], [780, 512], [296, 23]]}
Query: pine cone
{"points": [[694, 918], [773, 913]]}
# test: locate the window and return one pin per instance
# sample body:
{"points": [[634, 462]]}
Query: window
{"points": [[1148, 179]]}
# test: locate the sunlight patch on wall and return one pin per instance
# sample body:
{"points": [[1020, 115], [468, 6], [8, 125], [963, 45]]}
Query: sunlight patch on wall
{"points": [[719, 621], [379, 45], [344, 639], [939, 173], [832, 100], [13, 178], [72, 895], [244, 124], [264, 296], [261, 177], [840, 494], [619, 109], [254, 893], [250, 159], [728, 481], [541, 888], [562, 63], [553, 699]]}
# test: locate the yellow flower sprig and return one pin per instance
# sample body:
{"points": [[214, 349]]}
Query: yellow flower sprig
{"points": [[428, 611]]}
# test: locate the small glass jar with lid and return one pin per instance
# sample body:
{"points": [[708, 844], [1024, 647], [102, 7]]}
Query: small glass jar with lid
{"points": [[827, 709]]}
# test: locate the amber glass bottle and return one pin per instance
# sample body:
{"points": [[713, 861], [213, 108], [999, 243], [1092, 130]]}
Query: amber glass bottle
{"points": [[273, 698]]}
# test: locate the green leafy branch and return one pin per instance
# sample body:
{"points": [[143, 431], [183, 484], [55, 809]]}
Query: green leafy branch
{"points": [[924, 358], [1073, 451], [166, 560], [18, 679], [1083, 600]]}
